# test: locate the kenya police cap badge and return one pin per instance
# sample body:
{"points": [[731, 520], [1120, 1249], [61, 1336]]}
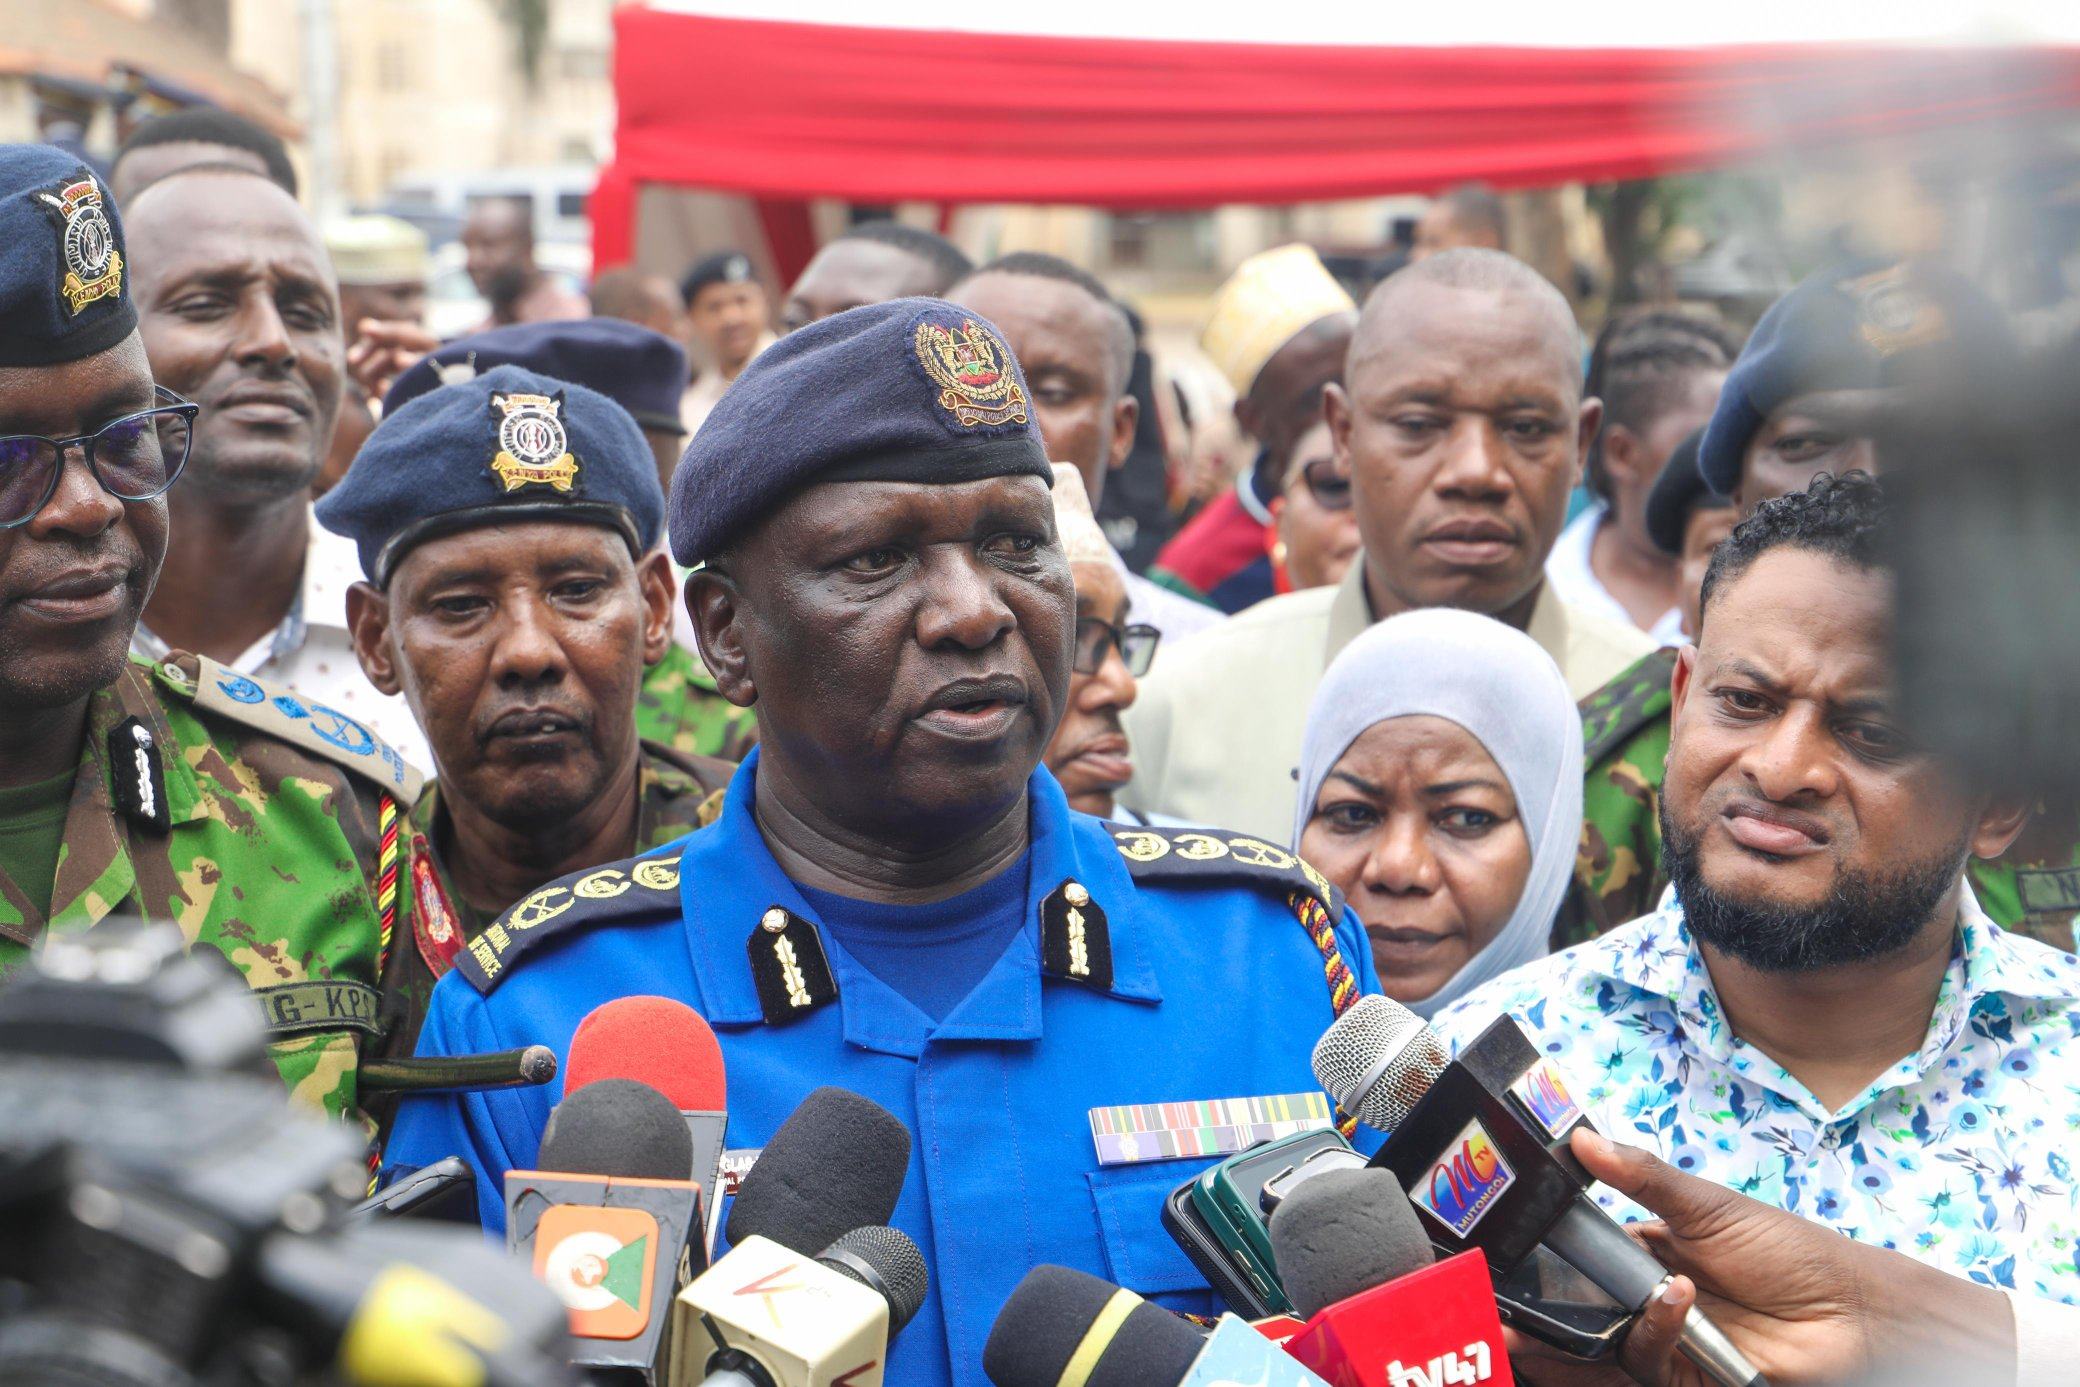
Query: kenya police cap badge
{"points": [[978, 386], [532, 447], [93, 265]]}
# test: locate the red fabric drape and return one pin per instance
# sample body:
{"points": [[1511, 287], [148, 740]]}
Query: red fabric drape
{"points": [[790, 111]]}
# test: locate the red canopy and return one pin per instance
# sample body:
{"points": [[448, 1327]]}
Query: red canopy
{"points": [[786, 111]]}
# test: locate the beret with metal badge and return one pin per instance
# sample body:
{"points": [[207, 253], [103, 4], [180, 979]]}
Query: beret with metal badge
{"points": [[64, 280], [642, 371]]}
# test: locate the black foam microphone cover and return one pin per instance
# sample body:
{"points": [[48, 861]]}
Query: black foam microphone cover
{"points": [[617, 1127], [1343, 1232], [1054, 1310], [836, 1164]]}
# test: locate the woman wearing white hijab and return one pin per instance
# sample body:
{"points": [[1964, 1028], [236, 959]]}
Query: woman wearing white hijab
{"points": [[1441, 790]]}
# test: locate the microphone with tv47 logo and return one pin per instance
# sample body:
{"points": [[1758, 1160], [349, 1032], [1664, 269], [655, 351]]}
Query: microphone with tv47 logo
{"points": [[1480, 1146], [1066, 1328], [670, 1047], [1381, 1312], [814, 1286], [610, 1222]]}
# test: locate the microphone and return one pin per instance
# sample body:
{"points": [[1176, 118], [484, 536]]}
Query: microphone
{"points": [[767, 1316], [667, 1045], [1064, 1328], [610, 1222], [534, 1064], [1381, 1312], [1480, 1146], [837, 1163]]}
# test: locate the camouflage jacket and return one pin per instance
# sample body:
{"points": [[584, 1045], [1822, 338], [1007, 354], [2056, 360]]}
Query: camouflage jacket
{"points": [[679, 707], [678, 794], [2033, 889], [252, 820]]}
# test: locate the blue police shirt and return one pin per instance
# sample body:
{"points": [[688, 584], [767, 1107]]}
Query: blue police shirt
{"points": [[1216, 990]]}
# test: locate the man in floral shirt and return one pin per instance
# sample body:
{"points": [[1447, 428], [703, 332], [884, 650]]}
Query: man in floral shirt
{"points": [[1825, 1019]]}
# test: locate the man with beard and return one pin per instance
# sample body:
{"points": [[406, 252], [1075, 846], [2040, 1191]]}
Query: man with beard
{"points": [[897, 897], [239, 313], [177, 790], [507, 525], [498, 246], [1824, 1018]]}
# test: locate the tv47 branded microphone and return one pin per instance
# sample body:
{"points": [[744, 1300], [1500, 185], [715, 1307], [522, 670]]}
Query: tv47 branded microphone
{"points": [[1381, 1311], [667, 1045], [1066, 1328], [610, 1221], [1480, 1146]]}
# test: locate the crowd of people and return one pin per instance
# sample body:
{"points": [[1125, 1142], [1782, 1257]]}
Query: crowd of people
{"points": [[449, 690]]}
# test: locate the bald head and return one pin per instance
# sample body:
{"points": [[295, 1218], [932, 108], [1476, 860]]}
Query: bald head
{"points": [[1501, 283]]}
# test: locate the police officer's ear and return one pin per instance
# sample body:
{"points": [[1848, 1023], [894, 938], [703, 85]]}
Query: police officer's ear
{"points": [[659, 589], [368, 618], [716, 606]]}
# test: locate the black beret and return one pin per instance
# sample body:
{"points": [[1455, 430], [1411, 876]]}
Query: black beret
{"points": [[1679, 491], [1856, 326], [642, 371], [911, 390], [64, 281], [509, 445], [723, 267]]}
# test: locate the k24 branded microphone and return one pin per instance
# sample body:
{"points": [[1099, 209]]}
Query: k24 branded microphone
{"points": [[1065, 1328], [667, 1045], [611, 1222], [1480, 1146], [1381, 1312], [767, 1316]]}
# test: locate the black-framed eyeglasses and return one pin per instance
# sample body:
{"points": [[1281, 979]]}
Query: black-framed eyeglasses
{"points": [[1328, 484], [1095, 638], [134, 458]]}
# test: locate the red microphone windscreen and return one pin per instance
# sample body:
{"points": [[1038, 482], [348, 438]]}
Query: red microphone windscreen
{"points": [[655, 1041]]}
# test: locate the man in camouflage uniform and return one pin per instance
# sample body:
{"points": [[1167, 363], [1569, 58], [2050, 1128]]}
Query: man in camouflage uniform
{"points": [[644, 372], [1851, 329], [260, 823], [508, 526]]}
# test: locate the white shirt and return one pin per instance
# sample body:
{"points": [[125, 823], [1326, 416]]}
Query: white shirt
{"points": [[1569, 573], [312, 651]]}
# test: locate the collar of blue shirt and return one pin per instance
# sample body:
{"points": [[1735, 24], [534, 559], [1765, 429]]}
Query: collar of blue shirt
{"points": [[728, 880]]}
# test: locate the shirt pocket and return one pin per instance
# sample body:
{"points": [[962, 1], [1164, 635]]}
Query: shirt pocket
{"points": [[1140, 1254]]}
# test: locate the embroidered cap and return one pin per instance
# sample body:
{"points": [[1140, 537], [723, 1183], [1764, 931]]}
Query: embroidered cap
{"points": [[508, 445], [642, 371], [64, 280], [912, 390], [1271, 298]]}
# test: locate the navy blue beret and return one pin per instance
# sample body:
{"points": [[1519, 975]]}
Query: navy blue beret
{"points": [[911, 390], [1679, 491], [642, 371], [723, 267], [1856, 326], [64, 281], [509, 445]]}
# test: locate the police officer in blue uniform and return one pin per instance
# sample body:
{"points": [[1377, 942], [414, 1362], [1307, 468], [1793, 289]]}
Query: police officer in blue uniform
{"points": [[897, 897]]}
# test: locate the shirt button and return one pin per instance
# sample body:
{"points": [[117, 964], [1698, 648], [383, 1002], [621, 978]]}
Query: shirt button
{"points": [[1831, 1138]]}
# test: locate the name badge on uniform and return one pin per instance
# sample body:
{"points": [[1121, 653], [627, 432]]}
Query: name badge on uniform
{"points": [[1133, 1133]]}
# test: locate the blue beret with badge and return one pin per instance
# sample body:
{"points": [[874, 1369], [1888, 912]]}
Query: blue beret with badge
{"points": [[642, 371], [503, 447], [64, 282], [1863, 325], [911, 390]]}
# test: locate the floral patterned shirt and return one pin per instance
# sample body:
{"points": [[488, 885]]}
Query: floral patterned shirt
{"points": [[1961, 1155]]}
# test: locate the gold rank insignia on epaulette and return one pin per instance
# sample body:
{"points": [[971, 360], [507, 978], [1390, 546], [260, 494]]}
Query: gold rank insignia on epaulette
{"points": [[593, 897], [1211, 857], [285, 714], [1075, 941], [788, 966]]}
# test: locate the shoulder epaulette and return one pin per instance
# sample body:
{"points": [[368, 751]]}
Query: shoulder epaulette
{"points": [[1618, 710], [1212, 857], [283, 713], [596, 896]]}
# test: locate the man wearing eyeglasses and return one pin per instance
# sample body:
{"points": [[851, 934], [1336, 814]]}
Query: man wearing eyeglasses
{"points": [[177, 790]]}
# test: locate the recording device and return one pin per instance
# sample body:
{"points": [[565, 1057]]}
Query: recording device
{"points": [[1219, 1217], [837, 1163], [1381, 1311], [610, 1222], [667, 1045], [1064, 1328], [167, 1218], [768, 1316], [1480, 1146], [444, 1192]]}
